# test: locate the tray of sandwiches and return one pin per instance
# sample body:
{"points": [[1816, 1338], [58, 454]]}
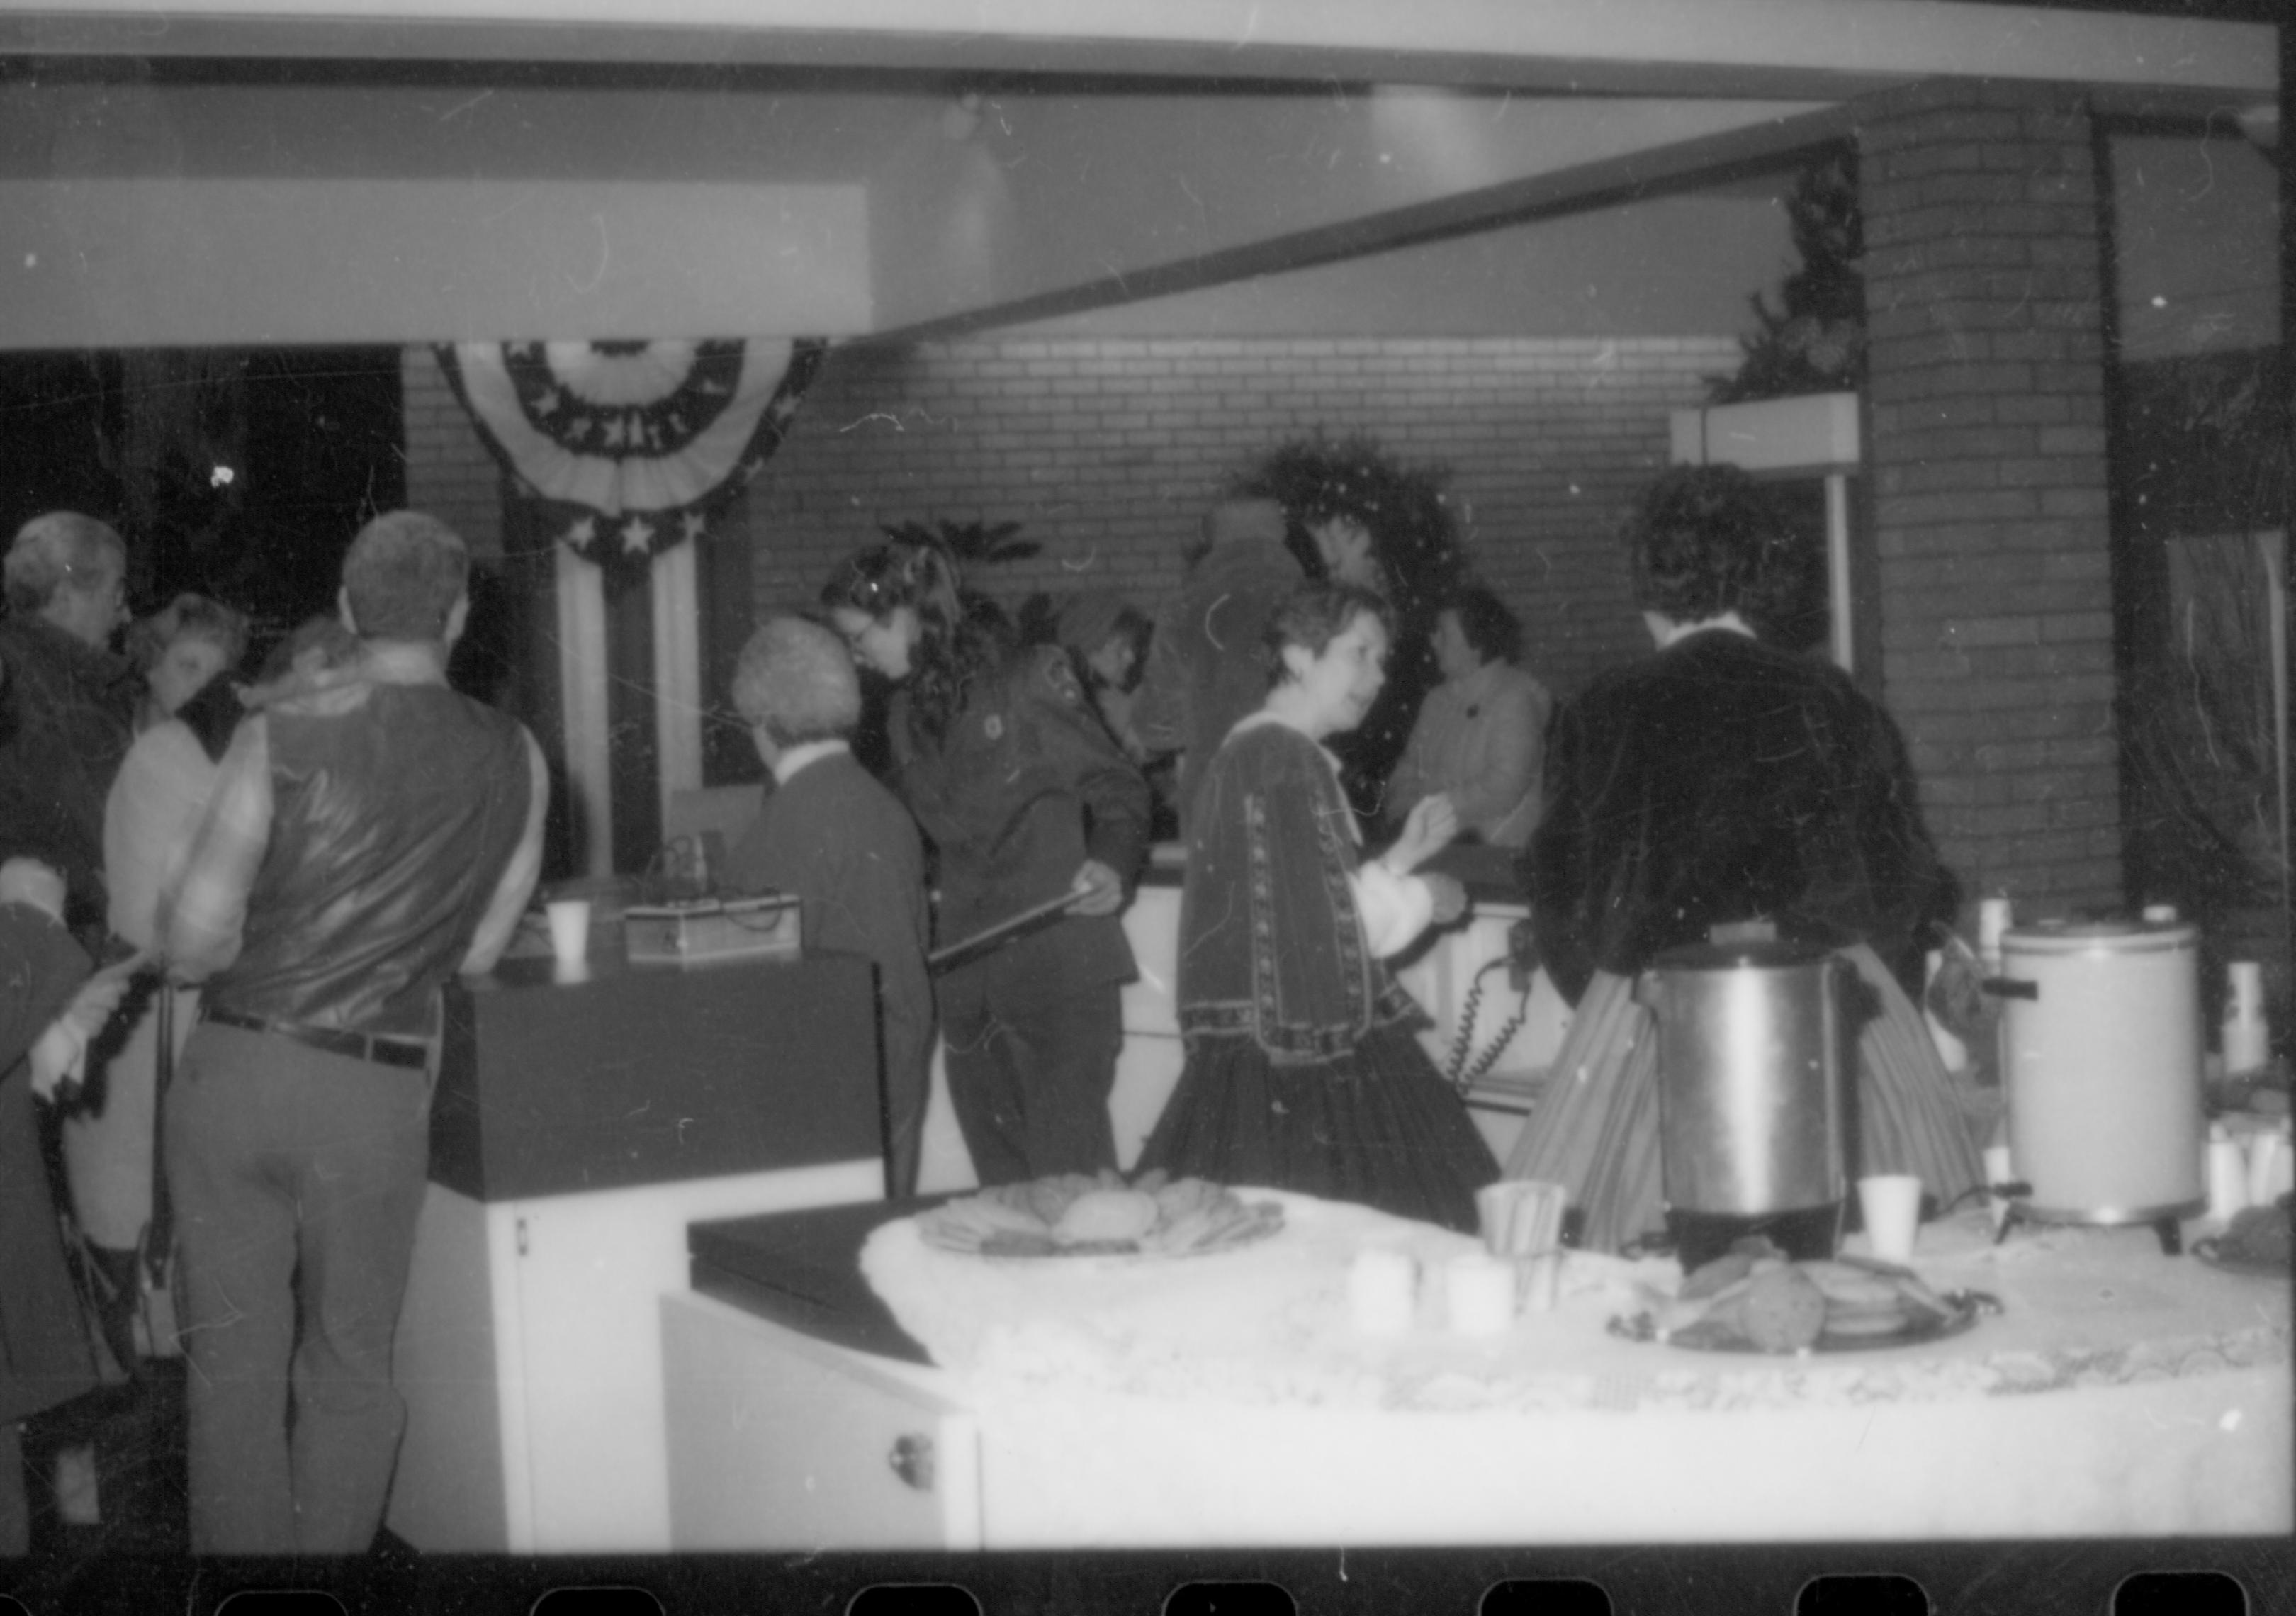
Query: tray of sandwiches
{"points": [[1073, 1215]]}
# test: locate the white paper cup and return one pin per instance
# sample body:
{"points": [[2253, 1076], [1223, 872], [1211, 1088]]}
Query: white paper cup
{"points": [[1998, 1170], [1479, 1294], [2227, 1179], [1382, 1291], [2270, 1172], [2247, 1046], [1892, 1205], [2245, 978], [570, 930], [1542, 1281]]}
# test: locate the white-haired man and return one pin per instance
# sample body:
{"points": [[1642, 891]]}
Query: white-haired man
{"points": [[844, 845], [68, 712]]}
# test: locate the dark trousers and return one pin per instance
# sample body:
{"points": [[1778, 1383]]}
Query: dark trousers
{"points": [[1031, 1058], [15, 1498], [297, 1177]]}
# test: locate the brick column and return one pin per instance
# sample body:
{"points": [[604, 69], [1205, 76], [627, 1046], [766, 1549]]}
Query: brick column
{"points": [[1985, 305]]}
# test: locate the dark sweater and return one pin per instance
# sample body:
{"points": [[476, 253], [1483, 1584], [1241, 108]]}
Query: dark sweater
{"points": [[1725, 780]]}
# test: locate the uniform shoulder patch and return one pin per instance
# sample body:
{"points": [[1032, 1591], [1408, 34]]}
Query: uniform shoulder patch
{"points": [[1057, 674]]}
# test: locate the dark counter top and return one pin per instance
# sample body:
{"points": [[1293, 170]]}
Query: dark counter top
{"points": [[624, 1075], [803, 1270]]}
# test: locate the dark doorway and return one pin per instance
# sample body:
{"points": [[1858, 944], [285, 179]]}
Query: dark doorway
{"points": [[238, 474], [325, 451]]}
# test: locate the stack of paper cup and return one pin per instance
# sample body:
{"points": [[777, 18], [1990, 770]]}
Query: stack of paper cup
{"points": [[2247, 1038], [1522, 1227]]}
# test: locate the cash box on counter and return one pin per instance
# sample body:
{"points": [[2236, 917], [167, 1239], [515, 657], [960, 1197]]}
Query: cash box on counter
{"points": [[704, 930]]}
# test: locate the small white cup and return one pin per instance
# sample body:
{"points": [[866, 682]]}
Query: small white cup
{"points": [[1479, 1294], [2271, 1172], [1542, 1281], [1892, 1205], [2226, 1178], [1382, 1291], [2247, 1046], [570, 930], [2245, 1000], [1998, 1170]]}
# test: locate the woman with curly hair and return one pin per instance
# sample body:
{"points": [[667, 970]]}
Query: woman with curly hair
{"points": [[1726, 781], [1039, 821]]}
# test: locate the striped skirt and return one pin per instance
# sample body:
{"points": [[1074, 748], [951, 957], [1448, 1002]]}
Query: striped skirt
{"points": [[1595, 1129]]}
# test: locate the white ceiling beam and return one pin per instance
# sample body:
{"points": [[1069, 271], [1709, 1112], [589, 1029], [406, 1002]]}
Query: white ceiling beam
{"points": [[1818, 49]]}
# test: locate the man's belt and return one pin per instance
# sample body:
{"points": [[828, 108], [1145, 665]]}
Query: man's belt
{"points": [[358, 1046]]}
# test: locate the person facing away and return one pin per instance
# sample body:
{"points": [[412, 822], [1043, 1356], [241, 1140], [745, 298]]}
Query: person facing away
{"points": [[1724, 781], [1203, 669], [366, 840], [68, 712], [833, 837]]}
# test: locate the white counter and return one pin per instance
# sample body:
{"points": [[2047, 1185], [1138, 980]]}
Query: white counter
{"points": [[2121, 1393]]}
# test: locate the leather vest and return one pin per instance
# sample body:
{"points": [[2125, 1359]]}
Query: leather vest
{"points": [[391, 825]]}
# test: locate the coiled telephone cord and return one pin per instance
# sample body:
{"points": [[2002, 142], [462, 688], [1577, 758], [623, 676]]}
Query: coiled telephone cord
{"points": [[1462, 1075]]}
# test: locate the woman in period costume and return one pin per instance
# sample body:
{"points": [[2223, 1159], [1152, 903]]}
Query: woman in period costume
{"points": [[1724, 781], [1303, 1071], [48, 1009], [1030, 807], [184, 652]]}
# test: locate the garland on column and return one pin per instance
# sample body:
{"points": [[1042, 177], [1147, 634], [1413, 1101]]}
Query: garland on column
{"points": [[631, 447]]}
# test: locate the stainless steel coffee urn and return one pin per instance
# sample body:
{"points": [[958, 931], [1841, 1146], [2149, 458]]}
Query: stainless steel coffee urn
{"points": [[2101, 1044], [1749, 1062]]}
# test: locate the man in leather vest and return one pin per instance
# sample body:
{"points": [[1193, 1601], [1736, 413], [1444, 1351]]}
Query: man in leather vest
{"points": [[371, 834]]}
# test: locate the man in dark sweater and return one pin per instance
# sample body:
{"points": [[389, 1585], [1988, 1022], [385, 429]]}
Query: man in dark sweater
{"points": [[833, 837], [366, 840], [67, 704], [1206, 666]]}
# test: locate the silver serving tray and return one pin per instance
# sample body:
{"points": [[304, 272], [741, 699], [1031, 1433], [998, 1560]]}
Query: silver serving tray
{"points": [[1968, 1307]]}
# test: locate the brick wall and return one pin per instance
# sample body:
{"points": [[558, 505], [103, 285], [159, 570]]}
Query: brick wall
{"points": [[448, 471], [1108, 451], [1986, 315]]}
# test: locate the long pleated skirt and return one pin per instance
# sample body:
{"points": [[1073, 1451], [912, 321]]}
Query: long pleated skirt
{"points": [[1596, 1127], [1377, 1126]]}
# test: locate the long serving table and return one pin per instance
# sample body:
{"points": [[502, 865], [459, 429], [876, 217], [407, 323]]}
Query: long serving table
{"points": [[2121, 1393], [582, 1120]]}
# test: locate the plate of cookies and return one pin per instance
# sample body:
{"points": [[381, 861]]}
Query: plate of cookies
{"points": [[1753, 1300], [1071, 1215]]}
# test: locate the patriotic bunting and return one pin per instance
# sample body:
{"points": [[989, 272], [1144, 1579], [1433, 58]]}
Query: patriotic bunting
{"points": [[633, 448]]}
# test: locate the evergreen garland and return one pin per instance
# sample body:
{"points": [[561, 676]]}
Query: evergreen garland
{"points": [[1816, 341]]}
